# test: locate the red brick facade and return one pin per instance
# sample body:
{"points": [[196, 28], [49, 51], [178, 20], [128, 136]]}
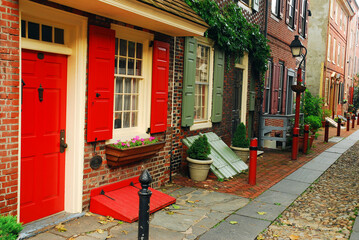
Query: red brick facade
{"points": [[9, 105]]}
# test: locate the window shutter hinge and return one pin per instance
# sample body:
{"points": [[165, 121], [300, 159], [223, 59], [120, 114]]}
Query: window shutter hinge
{"points": [[148, 130]]}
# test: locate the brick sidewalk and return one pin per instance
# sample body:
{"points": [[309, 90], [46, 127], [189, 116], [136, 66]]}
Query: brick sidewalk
{"points": [[272, 166]]}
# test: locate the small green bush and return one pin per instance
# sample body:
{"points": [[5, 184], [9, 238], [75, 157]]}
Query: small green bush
{"points": [[312, 105], [314, 122], [326, 113], [9, 228], [240, 137], [200, 149]]}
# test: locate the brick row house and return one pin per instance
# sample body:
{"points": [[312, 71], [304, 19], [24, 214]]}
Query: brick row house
{"points": [[332, 61], [79, 75], [285, 19]]}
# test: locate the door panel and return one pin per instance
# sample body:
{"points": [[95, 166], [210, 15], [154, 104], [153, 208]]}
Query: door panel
{"points": [[42, 164]]}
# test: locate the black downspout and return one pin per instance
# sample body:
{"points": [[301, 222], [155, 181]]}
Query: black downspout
{"points": [[261, 95]]}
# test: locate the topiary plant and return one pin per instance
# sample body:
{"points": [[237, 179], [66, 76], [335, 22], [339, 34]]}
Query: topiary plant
{"points": [[200, 149], [314, 122], [240, 137], [9, 228]]}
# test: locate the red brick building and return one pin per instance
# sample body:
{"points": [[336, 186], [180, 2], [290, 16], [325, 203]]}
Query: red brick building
{"points": [[285, 20], [79, 75]]}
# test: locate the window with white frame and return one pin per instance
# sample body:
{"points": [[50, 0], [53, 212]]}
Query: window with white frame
{"points": [[343, 57], [334, 55], [331, 8], [341, 18], [203, 83], [328, 52], [336, 13], [303, 16], [326, 91], [132, 82], [291, 12], [276, 7], [339, 54]]}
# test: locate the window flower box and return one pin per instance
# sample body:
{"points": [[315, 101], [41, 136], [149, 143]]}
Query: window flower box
{"points": [[126, 153]]}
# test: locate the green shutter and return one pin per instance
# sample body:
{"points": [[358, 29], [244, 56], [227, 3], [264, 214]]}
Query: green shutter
{"points": [[189, 81], [218, 77]]}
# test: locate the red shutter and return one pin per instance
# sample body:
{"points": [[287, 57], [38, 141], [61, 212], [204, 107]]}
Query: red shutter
{"points": [[284, 90], [300, 17], [281, 8], [161, 53], [100, 83], [287, 12], [275, 85]]}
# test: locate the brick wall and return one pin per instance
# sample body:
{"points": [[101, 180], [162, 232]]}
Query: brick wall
{"points": [[9, 105]]}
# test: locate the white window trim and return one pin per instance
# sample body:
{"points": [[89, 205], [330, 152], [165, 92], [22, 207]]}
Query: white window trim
{"points": [[244, 67], [206, 123], [328, 52], [144, 115], [245, 6], [334, 47]]}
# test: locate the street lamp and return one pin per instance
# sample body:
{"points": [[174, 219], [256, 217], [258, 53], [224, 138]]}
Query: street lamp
{"points": [[297, 48]]}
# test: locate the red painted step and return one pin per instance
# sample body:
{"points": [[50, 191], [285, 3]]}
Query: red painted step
{"points": [[121, 200]]}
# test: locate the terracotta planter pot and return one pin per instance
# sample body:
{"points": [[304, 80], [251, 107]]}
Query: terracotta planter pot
{"points": [[117, 157], [198, 169], [301, 142], [243, 153]]}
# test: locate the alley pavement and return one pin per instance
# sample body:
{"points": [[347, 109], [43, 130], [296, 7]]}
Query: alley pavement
{"points": [[207, 214]]}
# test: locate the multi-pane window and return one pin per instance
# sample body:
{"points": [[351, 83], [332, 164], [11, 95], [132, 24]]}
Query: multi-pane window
{"points": [[128, 74], [291, 12], [246, 1], [331, 8], [339, 54], [303, 16], [202, 82], [328, 53], [326, 91], [336, 13], [280, 87], [343, 57], [275, 7], [341, 18], [334, 56], [42, 32], [267, 89]]}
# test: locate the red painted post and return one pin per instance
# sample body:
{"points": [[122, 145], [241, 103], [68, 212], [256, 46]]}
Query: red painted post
{"points": [[348, 123], [358, 119], [339, 126], [295, 143], [306, 136], [253, 147], [326, 134], [353, 121]]}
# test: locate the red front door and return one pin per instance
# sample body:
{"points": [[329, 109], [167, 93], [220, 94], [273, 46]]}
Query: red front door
{"points": [[43, 117]]}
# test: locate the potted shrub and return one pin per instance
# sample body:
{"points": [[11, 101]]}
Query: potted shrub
{"points": [[240, 142], [326, 113], [314, 123], [198, 161], [9, 227]]}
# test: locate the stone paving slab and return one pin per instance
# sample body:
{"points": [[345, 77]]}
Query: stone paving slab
{"points": [[317, 166], [83, 225], [247, 228], [354, 236], [181, 191], [327, 155], [356, 225], [276, 197], [269, 211], [336, 150], [230, 206], [48, 236], [289, 186], [304, 175], [335, 139]]}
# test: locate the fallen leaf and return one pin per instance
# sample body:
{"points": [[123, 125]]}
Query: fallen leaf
{"points": [[109, 218], [100, 231], [103, 222], [170, 213], [61, 228], [120, 222], [262, 213], [108, 237], [233, 222], [293, 237], [190, 201], [89, 214], [125, 232], [102, 218], [260, 237], [175, 206], [71, 238], [278, 204]]}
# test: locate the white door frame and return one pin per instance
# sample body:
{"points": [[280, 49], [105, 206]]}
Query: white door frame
{"points": [[76, 48]]}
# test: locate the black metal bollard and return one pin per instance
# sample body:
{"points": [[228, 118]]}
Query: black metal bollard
{"points": [[326, 135], [348, 123], [144, 211], [353, 121], [339, 126]]}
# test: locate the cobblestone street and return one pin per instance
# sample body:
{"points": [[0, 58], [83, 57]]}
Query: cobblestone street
{"points": [[327, 210]]}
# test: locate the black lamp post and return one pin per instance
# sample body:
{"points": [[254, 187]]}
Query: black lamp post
{"points": [[297, 51]]}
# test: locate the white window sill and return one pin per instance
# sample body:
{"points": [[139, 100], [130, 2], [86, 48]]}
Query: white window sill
{"points": [[127, 136], [201, 125], [274, 17]]}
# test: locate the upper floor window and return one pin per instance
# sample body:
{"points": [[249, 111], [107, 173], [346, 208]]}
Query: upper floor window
{"points": [[331, 8], [341, 18], [334, 47], [267, 87], [336, 13], [291, 12], [276, 7], [303, 17], [247, 2], [339, 54], [328, 52], [280, 87]]}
